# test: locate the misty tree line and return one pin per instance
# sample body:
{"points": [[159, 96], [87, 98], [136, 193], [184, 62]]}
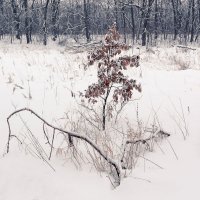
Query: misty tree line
{"points": [[143, 21]]}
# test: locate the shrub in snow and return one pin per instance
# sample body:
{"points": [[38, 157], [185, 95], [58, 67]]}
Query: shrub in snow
{"points": [[111, 80]]}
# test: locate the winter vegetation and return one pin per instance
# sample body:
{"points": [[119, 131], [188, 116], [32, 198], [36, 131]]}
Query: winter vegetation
{"points": [[99, 99], [139, 21]]}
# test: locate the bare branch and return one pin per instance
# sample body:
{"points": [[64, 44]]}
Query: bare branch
{"points": [[70, 134], [155, 135]]}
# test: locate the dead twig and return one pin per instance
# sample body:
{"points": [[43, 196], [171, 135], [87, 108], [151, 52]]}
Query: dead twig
{"points": [[52, 143]]}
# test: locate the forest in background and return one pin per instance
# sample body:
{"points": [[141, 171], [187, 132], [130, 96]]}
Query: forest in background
{"points": [[144, 21]]}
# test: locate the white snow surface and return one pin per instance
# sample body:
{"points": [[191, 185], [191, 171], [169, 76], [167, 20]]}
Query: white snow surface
{"points": [[42, 78]]}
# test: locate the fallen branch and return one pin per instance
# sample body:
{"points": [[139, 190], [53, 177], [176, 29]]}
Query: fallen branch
{"points": [[69, 134], [130, 5], [84, 46], [184, 47], [157, 134]]}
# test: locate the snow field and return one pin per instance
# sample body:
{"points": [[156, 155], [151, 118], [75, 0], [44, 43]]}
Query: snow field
{"points": [[44, 79]]}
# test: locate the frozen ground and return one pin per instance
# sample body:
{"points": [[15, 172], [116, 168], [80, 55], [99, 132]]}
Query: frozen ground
{"points": [[43, 78]]}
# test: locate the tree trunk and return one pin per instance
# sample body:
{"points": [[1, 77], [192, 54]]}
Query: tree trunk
{"points": [[16, 18], [193, 19], [116, 14], [31, 20], [156, 20], [132, 24], [198, 7], [1, 6], [1, 15], [187, 22], [179, 11], [175, 19], [27, 22], [147, 12], [143, 19], [163, 20], [86, 19], [124, 23], [54, 19], [45, 23], [104, 108], [176, 4]]}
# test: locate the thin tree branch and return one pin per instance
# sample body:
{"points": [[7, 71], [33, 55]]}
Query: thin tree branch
{"points": [[70, 134]]}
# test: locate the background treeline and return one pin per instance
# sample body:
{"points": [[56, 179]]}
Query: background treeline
{"points": [[143, 21]]}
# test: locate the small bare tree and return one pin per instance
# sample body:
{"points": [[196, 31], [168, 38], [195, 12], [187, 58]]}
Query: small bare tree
{"points": [[111, 79]]}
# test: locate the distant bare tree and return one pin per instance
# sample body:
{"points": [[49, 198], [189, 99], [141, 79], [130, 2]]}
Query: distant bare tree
{"points": [[192, 21], [16, 18], [45, 10], [132, 22], [54, 18], [156, 20], [142, 21], [124, 22], [146, 11], [1, 17], [176, 5], [198, 27], [27, 22], [86, 19], [116, 13]]}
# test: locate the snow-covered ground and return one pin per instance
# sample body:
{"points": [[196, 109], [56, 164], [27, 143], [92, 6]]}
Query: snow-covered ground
{"points": [[43, 78]]}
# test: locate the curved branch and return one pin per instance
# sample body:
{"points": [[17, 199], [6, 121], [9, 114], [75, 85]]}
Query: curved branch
{"points": [[69, 134], [143, 141]]}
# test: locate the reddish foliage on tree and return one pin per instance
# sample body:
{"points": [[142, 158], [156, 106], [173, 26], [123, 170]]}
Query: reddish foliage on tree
{"points": [[110, 71]]}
